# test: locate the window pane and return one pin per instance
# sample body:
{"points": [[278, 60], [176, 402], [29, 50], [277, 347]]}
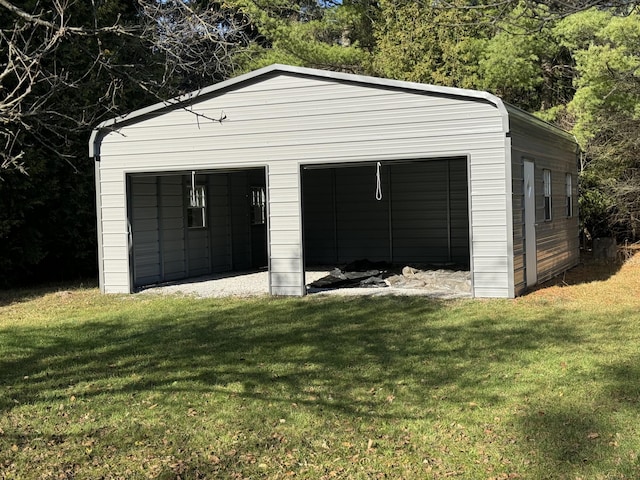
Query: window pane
{"points": [[258, 206], [546, 183], [196, 217]]}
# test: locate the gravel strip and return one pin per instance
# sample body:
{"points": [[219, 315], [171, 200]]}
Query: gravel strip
{"points": [[252, 284]]}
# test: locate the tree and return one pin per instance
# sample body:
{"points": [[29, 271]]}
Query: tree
{"points": [[422, 43], [448, 46], [319, 34], [606, 108]]}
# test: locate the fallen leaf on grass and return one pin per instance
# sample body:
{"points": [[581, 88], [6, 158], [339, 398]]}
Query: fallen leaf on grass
{"points": [[593, 435]]}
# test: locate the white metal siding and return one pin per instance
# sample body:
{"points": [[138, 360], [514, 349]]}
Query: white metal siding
{"points": [[285, 120], [286, 272]]}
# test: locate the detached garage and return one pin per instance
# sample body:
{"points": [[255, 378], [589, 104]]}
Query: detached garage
{"points": [[289, 167]]}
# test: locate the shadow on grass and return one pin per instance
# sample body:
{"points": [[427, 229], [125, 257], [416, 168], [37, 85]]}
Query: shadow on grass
{"points": [[578, 437], [566, 440], [323, 351], [588, 270], [333, 355], [19, 295], [624, 381]]}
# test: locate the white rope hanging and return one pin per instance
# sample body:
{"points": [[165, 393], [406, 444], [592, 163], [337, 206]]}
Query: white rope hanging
{"points": [[378, 182]]}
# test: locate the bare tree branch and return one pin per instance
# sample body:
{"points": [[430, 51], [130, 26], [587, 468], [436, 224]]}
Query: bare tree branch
{"points": [[191, 45]]}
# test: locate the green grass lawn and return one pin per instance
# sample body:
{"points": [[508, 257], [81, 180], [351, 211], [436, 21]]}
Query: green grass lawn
{"points": [[544, 386]]}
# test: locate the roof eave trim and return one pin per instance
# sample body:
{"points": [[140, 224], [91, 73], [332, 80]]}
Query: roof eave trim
{"points": [[94, 143]]}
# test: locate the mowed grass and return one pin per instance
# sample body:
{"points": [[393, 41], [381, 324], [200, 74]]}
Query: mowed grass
{"points": [[544, 386]]}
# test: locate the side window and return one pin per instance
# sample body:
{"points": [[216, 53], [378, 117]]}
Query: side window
{"points": [[258, 206], [568, 183], [546, 184], [196, 207]]}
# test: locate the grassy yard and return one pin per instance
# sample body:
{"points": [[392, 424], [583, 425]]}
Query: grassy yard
{"points": [[544, 386]]}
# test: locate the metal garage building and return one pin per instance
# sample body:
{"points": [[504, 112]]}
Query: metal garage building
{"points": [[287, 167]]}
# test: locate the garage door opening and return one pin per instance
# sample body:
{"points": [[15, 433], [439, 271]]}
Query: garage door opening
{"points": [[410, 213], [193, 224]]}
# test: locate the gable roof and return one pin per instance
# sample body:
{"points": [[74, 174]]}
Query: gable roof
{"points": [[199, 95]]}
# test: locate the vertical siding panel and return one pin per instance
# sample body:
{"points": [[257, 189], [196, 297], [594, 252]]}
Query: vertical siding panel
{"points": [[429, 212], [319, 216], [362, 222], [220, 223], [420, 212], [240, 222], [489, 231], [145, 228], [259, 250], [286, 273], [172, 224], [459, 205], [113, 211]]}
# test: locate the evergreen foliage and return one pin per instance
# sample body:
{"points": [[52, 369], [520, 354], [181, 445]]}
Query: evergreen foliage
{"points": [[606, 113], [572, 65]]}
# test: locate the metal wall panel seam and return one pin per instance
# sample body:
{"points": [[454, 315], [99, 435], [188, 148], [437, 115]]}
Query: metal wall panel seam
{"points": [[509, 212], [99, 226]]}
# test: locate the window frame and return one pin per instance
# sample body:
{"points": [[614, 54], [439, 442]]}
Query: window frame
{"points": [[547, 194], [258, 205], [197, 207], [568, 184]]}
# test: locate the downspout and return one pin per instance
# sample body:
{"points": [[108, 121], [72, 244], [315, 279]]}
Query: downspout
{"points": [[94, 153], [448, 186]]}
